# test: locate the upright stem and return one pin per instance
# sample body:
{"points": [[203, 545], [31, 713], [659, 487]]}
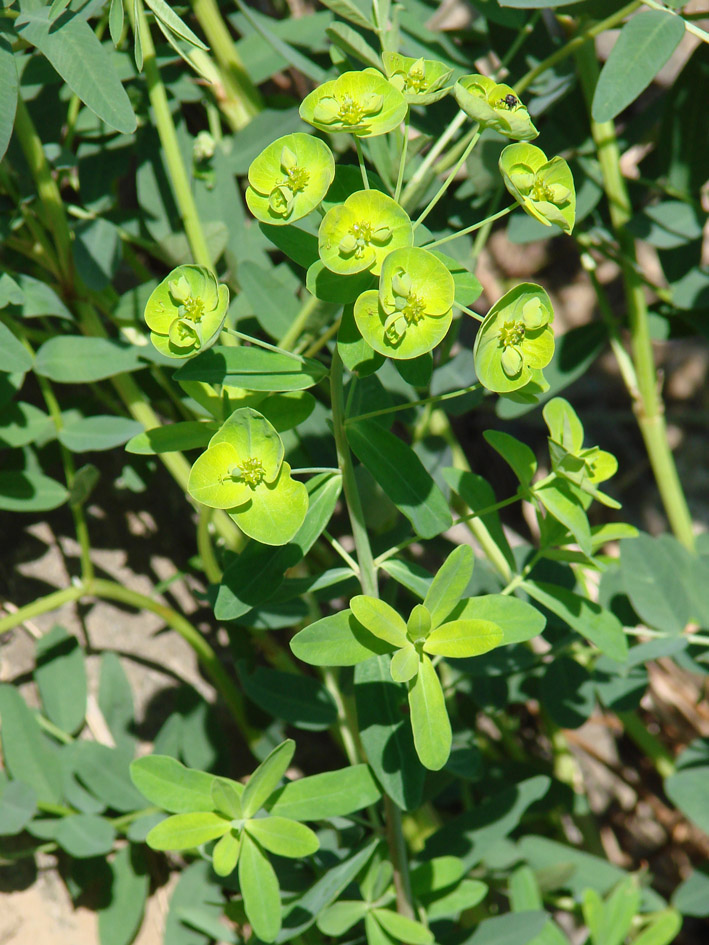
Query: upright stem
{"points": [[168, 138], [648, 404], [421, 171], [368, 580], [448, 181]]}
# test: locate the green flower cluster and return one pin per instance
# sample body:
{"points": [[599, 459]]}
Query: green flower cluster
{"points": [[186, 312]]}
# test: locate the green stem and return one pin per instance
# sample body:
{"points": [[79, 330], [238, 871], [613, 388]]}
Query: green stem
{"points": [[205, 549], [41, 606], [265, 344], [54, 217], [360, 158], [402, 161], [288, 341], [690, 27], [471, 229], [576, 43], [646, 741], [648, 404], [242, 100], [168, 138], [468, 311], [448, 181], [435, 399], [422, 170]]}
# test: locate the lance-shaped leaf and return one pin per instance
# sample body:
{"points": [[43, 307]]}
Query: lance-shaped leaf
{"points": [[264, 781], [361, 103], [515, 453], [380, 619], [543, 188], [515, 339], [283, 837], [419, 623], [226, 797], [494, 105], [359, 233], [169, 784], [186, 312], [403, 929], [225, 854], [186, 831], [330, 794], [405, 663], [429, 717], [461, 638], [259, 887], [337, 640], [289, 178], [341, 916], [449, 584], [423, 81]]}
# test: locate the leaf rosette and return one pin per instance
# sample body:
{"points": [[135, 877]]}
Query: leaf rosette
{"points": [[422, 81], [515, 339], [186, 312], [243, 471], [361, 103], [412, 311], [359, 233], [543, 188], [494, 105], [289, 178]]}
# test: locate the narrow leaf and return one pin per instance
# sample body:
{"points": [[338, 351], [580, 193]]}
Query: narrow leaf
{"points": [[259, 887], [264, 780], [330, 794], [380, 619], [337, 640], [283, 837], [429, 717], [449, 584], [186, 831], [461, 638], [8, 99]]}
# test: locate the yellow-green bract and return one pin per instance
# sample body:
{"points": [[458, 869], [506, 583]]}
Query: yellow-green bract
{"points": [[412, 311], [362, 103], [359, 233], [289, 178], [495, 106], [422, 81], [186, 312], [243, 471], [515, 339], [545, 189]]}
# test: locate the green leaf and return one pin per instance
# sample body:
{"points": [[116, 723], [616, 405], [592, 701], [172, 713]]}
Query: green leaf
{"points": [[73, 359], [403, 929], [105, 772], [115, 700], [60, 674], [518, 620], [225, 854], [172, 21], [584, 616], [8, 101], [253, 369], [330, 794], [645, 44], [467, 895], [85, 65], [100, 432], [515, 928], [226, 797], [119, 919], [662, 930], [462, 638], [567, 692], [296, 243], [349, 11], [22, 423], [283, 837], [18, 805], [195, 889], [259, 887], [477, 493], [449, 584], [337, 640], [115, 26], [691, 897], [687, 789], [300, 701], [341, 916], [85, 835], [561, 503], [386, 734], [429, 717], [186, 831], [653, 579], [14, 357], [30, 492], [27, 754], [301, 913], [517, 455], [380, 619], [400, 473], [264, 781], [170, 785], [352, 43]]}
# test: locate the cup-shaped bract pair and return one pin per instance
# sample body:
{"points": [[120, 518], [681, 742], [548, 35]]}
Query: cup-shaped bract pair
{"points": [[422, 81], [494, 105], [430, 631], [289, 178], [585, 468], [515, 339], [186, 312], [412, 311], [243, 471], [545, 189], [362, 103], [359, 233]]}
